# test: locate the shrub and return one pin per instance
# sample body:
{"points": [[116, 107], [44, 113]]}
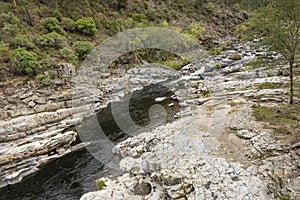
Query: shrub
{"points": [[68, 55], [86, 26], [218, 66], [10, 30], [57, 14], [139, 17], [146, 6], [104, 22], [115, 27], [51, 40], [210, 6], [164, 23], [4, 52], [152, 15], [42, 78], [83, 48], [8, 18], [129, 23], [194, 31], [22, 40], [217, 50], [100, 184], [25, 62], [236, 56], [52, 25], [68, 24], [121, 4]]}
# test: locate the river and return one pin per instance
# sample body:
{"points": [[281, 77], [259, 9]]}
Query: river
{"points": [[71, 176]]}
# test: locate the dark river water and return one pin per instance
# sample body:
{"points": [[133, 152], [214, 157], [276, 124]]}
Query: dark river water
{"points": [[69, 177]]}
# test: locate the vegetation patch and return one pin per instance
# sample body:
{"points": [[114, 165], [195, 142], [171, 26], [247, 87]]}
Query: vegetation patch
{"points": [[157, 56], [83, 48], [217, 50], [25, 62], [236, 57], [263, 62], [100, 184], [283, 119], [269, 85]]}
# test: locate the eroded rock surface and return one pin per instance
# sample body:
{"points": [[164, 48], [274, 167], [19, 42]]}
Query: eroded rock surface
{"points": [[216, 149]]}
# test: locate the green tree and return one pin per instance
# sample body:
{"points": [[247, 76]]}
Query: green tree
{"points": [[278, 25]]}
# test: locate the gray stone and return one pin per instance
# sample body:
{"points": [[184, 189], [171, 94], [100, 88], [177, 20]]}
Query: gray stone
{"points": [[245, 134]]}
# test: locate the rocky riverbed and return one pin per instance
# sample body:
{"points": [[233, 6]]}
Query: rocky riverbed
{"points": [[214, 150]]}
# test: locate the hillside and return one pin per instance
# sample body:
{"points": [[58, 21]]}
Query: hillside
{"points": [[53, 32]]}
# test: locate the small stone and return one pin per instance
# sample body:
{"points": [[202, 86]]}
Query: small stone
{"points": [[245, 134], [296, 145], [142, 189], [31, 104], [252, 169]]}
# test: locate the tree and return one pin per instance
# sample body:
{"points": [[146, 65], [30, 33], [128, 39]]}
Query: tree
{"points": [[278, 25]]}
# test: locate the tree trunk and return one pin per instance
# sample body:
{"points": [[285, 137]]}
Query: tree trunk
{"points": [[291, 62], [15, 4]]}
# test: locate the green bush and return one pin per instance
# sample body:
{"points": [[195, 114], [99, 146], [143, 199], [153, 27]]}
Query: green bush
{"points": [[218, 66], [152, 15], [42, 78], [25, 62], [146, 5], [57, 14], [121, 4], [52, 25], [100, 184], [139, 17], [217, 50], [8, 18], [129, 23], [194, 31], [22, 40], [86, 26], [68, 54], [115, 27], [164, 23], [4, 52], [68, 24], [10, 30], [236, 56], [51, 40], [210, 6], [83, 48], [104, 22]]}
